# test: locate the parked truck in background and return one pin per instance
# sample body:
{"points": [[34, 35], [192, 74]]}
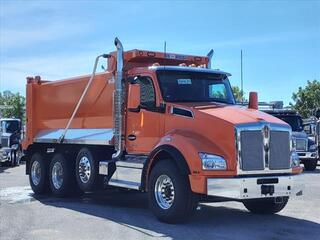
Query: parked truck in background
{"points": [[161, 123], [312, 127], [11, 136], [305, 147]]}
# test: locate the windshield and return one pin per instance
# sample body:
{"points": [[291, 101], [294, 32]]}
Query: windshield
{"points": [[9, 126], [294, 121], [188, 86]]}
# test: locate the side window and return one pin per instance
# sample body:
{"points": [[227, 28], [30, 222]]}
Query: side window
{"points": [[217, 91], [148, 97]]}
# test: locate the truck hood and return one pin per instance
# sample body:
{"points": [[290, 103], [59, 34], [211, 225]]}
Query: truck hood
{"points": [[232, 113], [6, 134], [300, 134]]}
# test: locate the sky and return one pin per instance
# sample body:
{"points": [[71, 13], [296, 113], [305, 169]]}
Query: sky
{"points": [[59, 39]]}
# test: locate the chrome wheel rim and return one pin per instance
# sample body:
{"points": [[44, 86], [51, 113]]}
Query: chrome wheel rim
{"points": [[84, 169], [35, 173], [164, 192], [57, 175]]}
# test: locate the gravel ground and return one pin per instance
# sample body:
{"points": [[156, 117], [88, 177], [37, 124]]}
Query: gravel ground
{"points": [[120, 214]]}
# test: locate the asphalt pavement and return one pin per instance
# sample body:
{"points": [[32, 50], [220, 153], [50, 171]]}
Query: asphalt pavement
{"points": [[123, 214]]}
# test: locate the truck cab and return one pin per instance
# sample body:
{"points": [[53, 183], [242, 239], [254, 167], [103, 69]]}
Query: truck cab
{"points": [[10, 131], [305, 147], [162, 123]]}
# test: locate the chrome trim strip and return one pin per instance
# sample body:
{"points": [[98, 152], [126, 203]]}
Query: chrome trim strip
{"points": [[124, 184], [256, 127], [96, 136]]}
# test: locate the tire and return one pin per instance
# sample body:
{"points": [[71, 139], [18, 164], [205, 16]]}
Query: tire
{"points": [[87, 171], [38, 176], [61, 176], [18, 157], [265, 206], [12, 159], [184, 202], [310, 164]]}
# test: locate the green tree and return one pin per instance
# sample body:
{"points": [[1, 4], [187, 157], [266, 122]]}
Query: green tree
{"points": [[13, 105], [238, 94], [307, 99]]}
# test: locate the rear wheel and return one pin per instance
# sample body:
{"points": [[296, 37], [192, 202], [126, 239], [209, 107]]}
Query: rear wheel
{"points": [[87, 170], [61, 176], [265, 206], [170, 196], [38, 176], [310, 164]]}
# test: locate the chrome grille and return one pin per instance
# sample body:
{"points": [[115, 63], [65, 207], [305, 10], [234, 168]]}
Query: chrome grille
{"points": [[252, 150], [263, 148], [301, 144], [279, 152], [4, 142]]}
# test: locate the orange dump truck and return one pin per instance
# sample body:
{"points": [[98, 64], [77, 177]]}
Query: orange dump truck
{"points": [[166, 124]]}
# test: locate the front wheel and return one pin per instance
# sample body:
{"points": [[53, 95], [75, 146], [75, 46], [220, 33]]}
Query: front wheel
{"points": [[266, 206], [170, 196]]}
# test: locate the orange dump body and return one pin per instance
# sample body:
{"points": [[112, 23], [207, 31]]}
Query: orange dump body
{"points": [[50, 104]]}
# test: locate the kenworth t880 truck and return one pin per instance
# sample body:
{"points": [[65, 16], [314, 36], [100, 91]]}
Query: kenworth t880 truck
{"points": [[160, 123]]}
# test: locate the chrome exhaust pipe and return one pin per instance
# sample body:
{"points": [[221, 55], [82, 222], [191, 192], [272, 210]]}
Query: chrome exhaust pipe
{"points": [[118, 102], [209, 55], [61, 139]]}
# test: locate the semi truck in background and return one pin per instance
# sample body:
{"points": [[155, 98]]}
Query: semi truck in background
{"points": [[312, 127], [305, 147], [11, 137], [160, 123]]}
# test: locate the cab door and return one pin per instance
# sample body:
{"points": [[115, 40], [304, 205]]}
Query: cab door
{"points": [[144, 126]]}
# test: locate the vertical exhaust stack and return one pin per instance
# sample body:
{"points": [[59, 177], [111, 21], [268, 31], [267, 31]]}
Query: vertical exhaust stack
{"points": [[209, 55], [118, 102]]}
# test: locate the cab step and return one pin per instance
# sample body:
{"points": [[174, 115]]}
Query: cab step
{"points": [[124, 173]]}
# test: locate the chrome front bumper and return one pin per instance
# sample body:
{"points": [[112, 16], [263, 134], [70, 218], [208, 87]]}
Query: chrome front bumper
{"points": [[307, 155], [251, 187]]}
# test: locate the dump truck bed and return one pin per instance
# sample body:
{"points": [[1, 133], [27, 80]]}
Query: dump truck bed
{"points": [[50, 106]]}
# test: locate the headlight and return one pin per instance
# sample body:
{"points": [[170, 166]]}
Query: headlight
{"points": [[212, 162], [295, 161], [313, 147]]}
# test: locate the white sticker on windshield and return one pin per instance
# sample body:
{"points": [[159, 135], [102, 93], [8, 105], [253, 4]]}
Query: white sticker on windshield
{"points": [[184, 81]]}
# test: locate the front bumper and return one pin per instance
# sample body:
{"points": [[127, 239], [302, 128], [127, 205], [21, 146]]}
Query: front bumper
{"points": [[251, 187], [308, 155], [5, 154]]}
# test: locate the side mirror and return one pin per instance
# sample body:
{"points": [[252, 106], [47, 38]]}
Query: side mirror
{"points": [[253, 100], [134, 98]]}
